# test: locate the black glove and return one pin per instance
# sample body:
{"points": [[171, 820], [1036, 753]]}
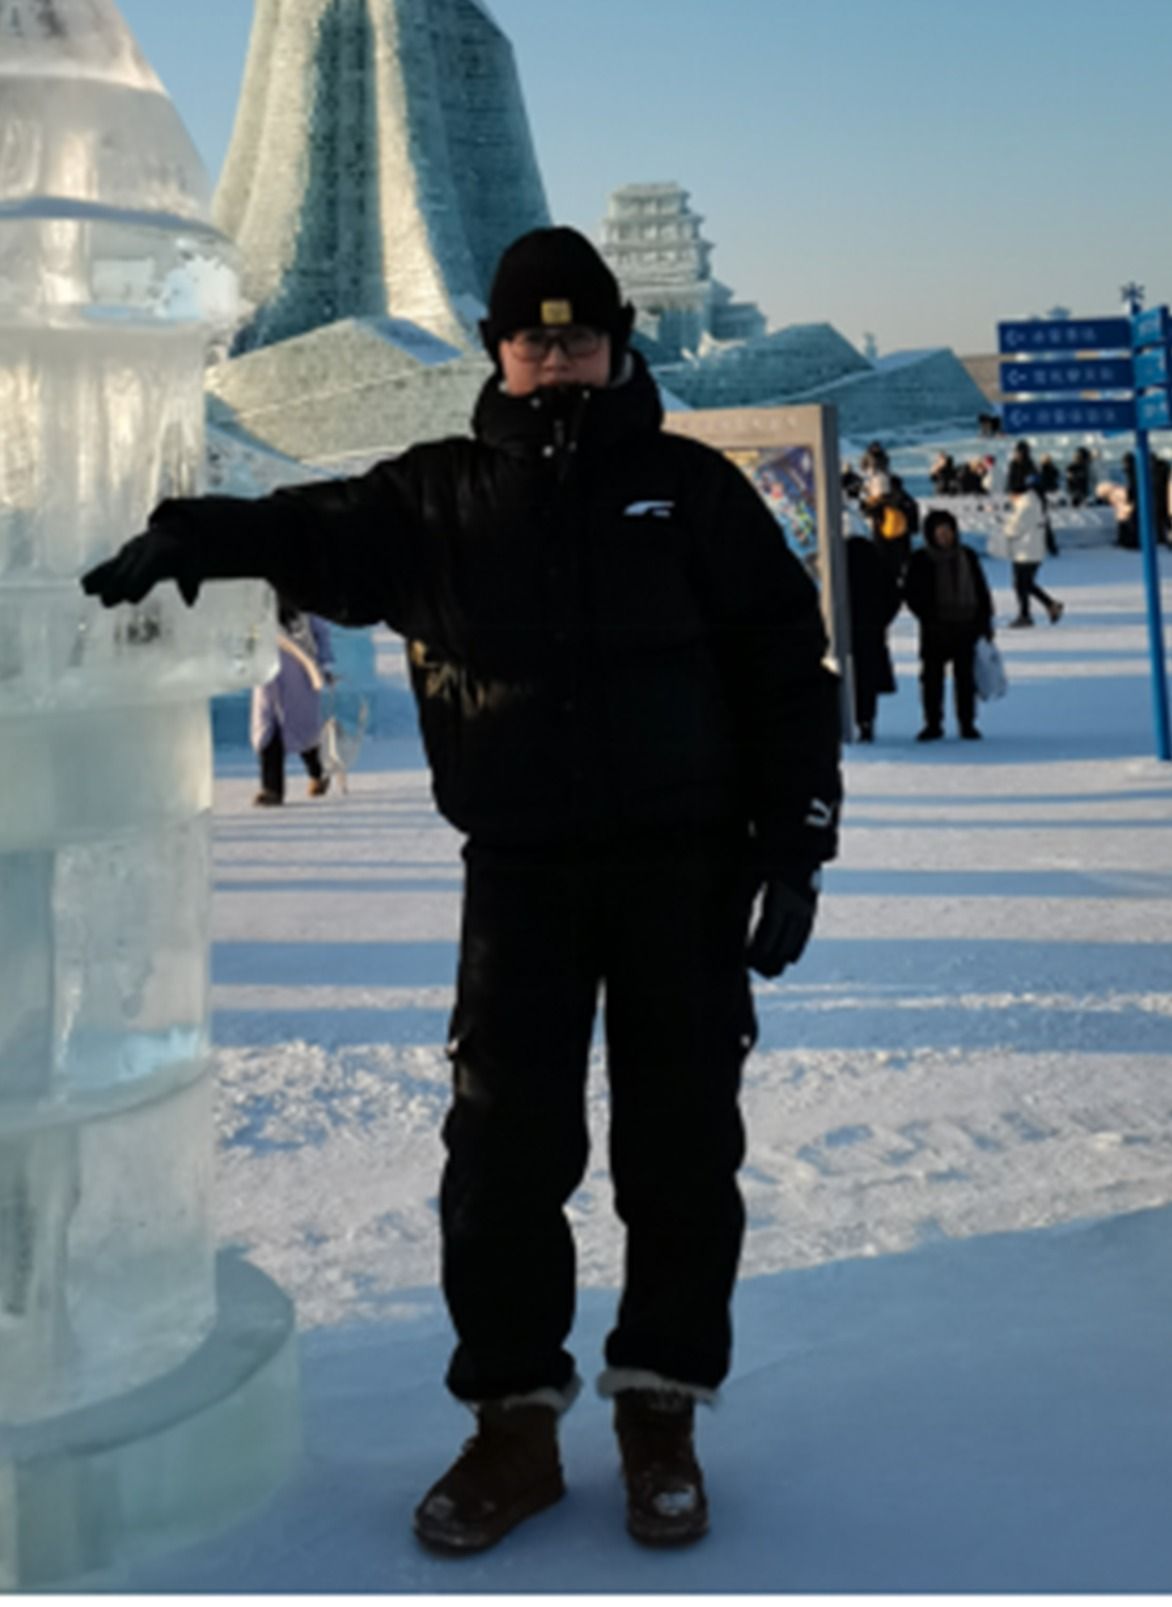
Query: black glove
{"points": [[789, 903], [168, 550]]}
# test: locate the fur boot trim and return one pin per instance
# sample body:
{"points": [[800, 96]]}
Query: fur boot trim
{"points": [[560, 1400], [614, 1379]]}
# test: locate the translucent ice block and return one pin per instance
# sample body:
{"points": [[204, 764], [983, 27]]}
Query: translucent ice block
{"points": [[79, 777], [164, 1465], [106, 1253], [126, 1387], [61, 650], [86, 118], [131, 918], [26, 976], [107, 419]]}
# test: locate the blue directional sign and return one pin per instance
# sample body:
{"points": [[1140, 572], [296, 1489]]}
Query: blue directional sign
{"points": [[1019, 418], [1146, 337], [1150, 328], [1039, 377], [1152, 411], [1064, 334], [1151, 367]]}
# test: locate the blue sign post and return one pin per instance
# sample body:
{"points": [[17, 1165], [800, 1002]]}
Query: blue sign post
{"points": [[1140, 377], [1150, 335]]}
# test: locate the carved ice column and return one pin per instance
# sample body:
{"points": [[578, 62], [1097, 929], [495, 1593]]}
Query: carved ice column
{"points": [[147, 1392]]}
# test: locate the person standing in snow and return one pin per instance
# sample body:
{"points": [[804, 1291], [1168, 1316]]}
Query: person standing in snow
{"points": [[874, 598], [949, 595], [619, 670], [1126, 502], [286, 711], [876, 484], [1078, 477], [1049, 479], [1025, 534], [895, 520], [1022, 468]]}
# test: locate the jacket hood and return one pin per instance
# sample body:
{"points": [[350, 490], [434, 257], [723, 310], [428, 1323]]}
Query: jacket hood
{"points": [[593, 417]]}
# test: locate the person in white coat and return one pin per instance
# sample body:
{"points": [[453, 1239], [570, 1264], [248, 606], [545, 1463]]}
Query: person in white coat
{"points": [[1025, 540]]}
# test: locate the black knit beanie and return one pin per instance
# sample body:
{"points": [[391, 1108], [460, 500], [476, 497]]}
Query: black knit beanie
{"points": [[551, 278]]}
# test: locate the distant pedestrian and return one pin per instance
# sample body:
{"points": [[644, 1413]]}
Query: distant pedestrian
{"points": [[895, 518], [947, 591], [1049, 480], [1025, 539], [874, 602], [876, 483], [1078, 477], [1022, 468], [944, 475], [286, 710], [1127, 504], [1162, 498]]}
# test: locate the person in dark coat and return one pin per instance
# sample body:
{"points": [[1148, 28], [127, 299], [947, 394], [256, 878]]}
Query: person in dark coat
{"points": [[1022, 467], [619, 671], [1127, 529], [895, 518], [874, 602], [1078, 477], [944, 475], [947, 591]]}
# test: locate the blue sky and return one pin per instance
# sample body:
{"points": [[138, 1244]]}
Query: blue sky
{"points": [[916, 168]]}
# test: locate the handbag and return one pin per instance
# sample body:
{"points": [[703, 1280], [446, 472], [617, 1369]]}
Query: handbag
{"points": [[989, 670]]}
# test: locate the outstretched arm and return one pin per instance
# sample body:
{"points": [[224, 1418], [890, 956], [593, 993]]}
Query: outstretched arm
{"points": [[346, 549]]}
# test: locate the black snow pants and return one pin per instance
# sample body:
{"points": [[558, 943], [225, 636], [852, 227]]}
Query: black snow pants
{"points": [[661, 929], [938, 649], [272, 764]]}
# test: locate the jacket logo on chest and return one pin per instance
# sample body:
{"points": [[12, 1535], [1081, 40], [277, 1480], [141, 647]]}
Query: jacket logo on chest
{"points": [[649, 510]]}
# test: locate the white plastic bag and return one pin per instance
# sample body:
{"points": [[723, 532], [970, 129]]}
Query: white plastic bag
{"points": [[989, 670]]}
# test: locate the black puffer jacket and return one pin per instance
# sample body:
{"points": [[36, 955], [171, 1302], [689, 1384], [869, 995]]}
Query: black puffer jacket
{"points": [[607, 632]]}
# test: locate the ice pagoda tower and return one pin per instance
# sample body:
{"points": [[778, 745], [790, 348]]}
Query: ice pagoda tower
{"points": [[380, 163], [651, 239]]}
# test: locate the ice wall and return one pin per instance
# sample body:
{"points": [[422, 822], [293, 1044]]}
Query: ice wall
{"points": [[110, 276]]}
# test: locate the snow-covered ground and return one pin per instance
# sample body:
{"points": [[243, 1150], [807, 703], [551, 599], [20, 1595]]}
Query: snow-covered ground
{"points": [[954, 1360]]}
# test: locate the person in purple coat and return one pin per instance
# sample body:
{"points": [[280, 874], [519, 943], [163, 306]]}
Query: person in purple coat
{"points": [[286, 711]]}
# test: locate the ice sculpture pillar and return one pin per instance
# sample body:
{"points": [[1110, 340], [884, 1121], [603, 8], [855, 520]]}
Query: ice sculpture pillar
{"points": [[147, 1392]]}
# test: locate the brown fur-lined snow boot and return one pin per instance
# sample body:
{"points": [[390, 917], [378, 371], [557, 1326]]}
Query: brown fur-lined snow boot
{"points": [[507, 1472], [666, 1503]]}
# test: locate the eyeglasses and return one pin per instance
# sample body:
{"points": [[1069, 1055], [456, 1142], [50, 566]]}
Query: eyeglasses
{"points": [[535, 345]]}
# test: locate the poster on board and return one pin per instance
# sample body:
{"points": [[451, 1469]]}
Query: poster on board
{"points": [[790, 454]]}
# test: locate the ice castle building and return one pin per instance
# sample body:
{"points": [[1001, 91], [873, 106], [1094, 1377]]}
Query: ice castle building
{"points": [[381, 161], [651, 239], [708, 350]]}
